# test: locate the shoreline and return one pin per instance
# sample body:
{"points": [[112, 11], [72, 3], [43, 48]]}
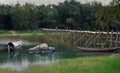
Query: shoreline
{"points": [[99, 64], [18, 35]]}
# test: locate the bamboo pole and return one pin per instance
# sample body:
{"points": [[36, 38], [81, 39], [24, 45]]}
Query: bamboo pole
{"points": [[73, 37], [106, 40], [78, 31], [63, 37], [88, 40], [95, 38], [116, 43], [111, 39], [80, 38]]}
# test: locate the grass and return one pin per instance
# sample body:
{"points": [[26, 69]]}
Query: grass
{"points": [[29, 32], [4, 32], [100, 64], [21, 32]]}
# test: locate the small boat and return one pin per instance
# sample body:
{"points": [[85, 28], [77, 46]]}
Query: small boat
{"points": [[12, 46], [98, 49], [41, 49]]}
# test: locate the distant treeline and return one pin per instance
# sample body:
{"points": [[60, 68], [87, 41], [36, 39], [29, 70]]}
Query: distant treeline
{"points": [[67, 15]]}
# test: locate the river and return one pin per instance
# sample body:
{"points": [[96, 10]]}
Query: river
{"points": [[21, 59]]}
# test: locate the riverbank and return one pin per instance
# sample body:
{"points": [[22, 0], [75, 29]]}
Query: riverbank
{"points": [[4, 33], [74, 37], [99, 64]]}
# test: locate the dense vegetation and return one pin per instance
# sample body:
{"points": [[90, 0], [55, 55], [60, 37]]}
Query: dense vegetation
{"points": [[67, 15]]}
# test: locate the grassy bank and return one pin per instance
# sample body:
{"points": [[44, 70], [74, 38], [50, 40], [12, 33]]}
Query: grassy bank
{"points": [[21, 32], [29, 32], [4, 32], [102, 64]]}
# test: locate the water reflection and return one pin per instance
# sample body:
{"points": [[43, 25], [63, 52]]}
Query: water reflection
{"points": [[19, 61], [26, 43]]}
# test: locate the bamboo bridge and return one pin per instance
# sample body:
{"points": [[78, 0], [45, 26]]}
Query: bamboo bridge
{"points": [[85, 38]]}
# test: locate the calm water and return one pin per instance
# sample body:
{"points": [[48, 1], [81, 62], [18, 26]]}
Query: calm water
{"points": [[22, 59]]}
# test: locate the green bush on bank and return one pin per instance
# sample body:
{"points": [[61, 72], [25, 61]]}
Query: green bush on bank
{"points": [[4, 32], [29, 31], [21, 32]]}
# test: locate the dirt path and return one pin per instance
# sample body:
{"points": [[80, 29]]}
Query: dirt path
{"points": [[13, 32]]}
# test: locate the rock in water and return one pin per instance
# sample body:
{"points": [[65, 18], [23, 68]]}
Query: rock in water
{"points": [[44, 46]]}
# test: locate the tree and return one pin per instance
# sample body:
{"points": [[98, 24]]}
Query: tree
{"points": [[108, 16], [50, 16], [83, 15], [5, 17], [24, 17], [68, 10]]}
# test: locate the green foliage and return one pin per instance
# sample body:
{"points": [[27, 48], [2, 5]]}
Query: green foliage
{"points": [[5, 18], [108, 17], [28, 32], [69, 14], [74, 15], [24, 17], [4, 32]]}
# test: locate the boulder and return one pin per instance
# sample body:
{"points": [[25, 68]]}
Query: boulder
{"points": [[43, 46]]}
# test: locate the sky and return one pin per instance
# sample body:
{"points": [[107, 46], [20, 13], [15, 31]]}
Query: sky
{"points": [[46, 2]]}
